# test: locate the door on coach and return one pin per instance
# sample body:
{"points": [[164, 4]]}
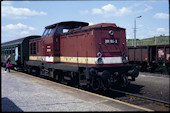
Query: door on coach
{"points": [[16, 54]]}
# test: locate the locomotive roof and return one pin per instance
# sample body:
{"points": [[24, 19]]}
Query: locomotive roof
{"points": [[69, 23], [96, 26], [18, 41]]}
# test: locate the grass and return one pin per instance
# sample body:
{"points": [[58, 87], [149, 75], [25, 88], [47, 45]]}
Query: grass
{"points": [[159, 40]]}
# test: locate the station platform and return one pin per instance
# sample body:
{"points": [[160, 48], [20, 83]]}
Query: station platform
{"points": [[24, 92]]}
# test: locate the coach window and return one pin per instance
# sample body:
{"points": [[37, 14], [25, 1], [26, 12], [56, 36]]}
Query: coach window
{"points": [[19, 50], [34, 48], [10, 51], [31, 48], [38, 47], [4, 51], [13, 51], [7, 50]]}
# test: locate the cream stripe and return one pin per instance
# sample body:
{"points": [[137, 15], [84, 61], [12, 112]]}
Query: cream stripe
{"points": [[80, 60], [35, 57]]}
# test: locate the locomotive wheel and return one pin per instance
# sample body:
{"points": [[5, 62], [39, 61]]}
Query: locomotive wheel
{"points": [[29, 70], [105, 85], [96, 83], [75, 79], [125, 80], [105, 79], [60, 78], [122, 81]]}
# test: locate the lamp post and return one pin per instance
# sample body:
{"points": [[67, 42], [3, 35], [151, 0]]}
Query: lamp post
{"points": [[135, 31]]}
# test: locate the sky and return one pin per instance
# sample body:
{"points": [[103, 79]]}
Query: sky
{"points": [[24, 18]]}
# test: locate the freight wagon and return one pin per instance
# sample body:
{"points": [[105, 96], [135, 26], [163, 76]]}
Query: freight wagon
{"points": [[150, 56]]}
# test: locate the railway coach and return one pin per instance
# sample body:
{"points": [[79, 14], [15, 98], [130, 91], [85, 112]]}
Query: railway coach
{"points": [[89, 56], [19, 51]]}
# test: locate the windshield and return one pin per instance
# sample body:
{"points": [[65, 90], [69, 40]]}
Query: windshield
{"points": [[49, 31]]}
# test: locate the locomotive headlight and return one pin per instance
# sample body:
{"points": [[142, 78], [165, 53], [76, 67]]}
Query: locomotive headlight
{"points": [[99, 54], [124, 60], [99, 59], [111, 32]]}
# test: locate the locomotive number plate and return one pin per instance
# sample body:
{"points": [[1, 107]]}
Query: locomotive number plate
{"points": [[111, 41]]}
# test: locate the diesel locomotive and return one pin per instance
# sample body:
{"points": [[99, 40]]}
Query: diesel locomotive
{"points": [[73, 52]]}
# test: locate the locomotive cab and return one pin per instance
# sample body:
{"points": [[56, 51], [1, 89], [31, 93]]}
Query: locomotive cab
{"points": [[51, 38]]}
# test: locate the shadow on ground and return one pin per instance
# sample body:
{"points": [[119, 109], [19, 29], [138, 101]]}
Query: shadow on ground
{"points": [[8, 106]]}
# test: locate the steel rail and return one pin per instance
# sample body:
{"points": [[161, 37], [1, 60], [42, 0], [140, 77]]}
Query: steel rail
{"points": [[140, 96]]}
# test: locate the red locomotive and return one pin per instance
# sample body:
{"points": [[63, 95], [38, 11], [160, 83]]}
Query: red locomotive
{"points": [[92, 56]]}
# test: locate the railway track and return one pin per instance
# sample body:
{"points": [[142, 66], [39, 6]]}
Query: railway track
{"points": [[156, 74], [135, 99], [139, 100], [147, 102]]}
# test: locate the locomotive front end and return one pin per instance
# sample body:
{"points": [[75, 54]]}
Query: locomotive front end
{"points": [[111, 58]]}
